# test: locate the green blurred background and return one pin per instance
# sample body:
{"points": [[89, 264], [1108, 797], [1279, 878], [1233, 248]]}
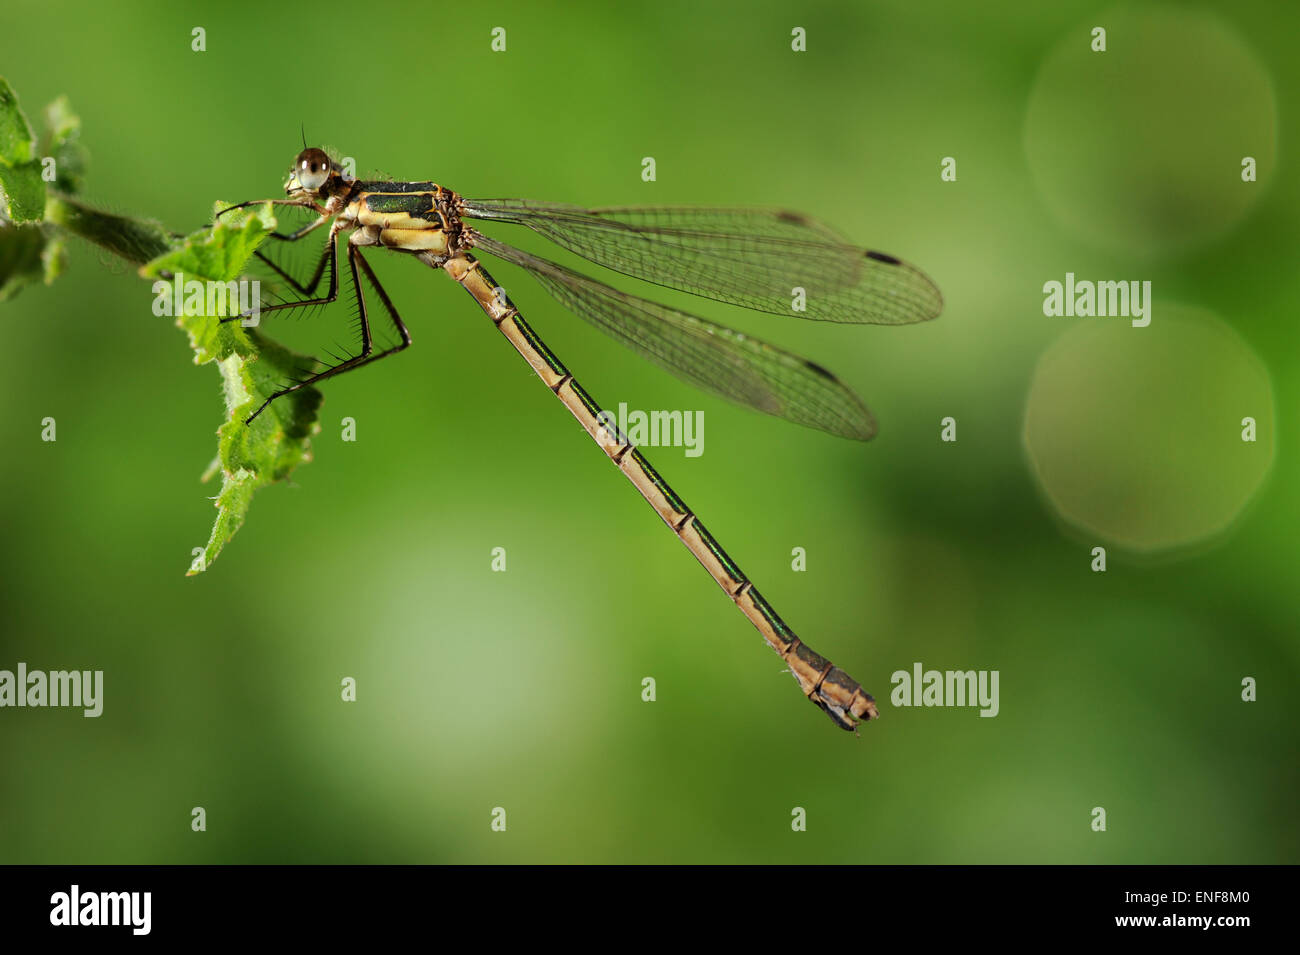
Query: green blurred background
{"points": [[522, 689]]}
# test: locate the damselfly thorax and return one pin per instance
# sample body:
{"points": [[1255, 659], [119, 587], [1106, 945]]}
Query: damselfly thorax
{"points": [[417, 217], [773, 261]]}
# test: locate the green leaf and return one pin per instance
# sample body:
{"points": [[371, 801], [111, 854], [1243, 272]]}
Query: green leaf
{"points": [[23, 191], [21, 185], [27, 252], [16, 139], [54, 259], [63, 144], [61, 122], [21, 248], [249, 457], [219, 252]]}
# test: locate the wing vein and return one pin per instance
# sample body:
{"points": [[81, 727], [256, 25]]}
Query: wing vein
{"points": [[747, 257], [712, 357]]}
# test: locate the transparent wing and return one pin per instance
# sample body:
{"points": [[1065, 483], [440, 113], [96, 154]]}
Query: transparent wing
{"points": [[712, 357], [749, 257]]}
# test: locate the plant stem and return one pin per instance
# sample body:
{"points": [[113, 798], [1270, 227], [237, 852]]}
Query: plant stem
{"points": [[136, 240]]}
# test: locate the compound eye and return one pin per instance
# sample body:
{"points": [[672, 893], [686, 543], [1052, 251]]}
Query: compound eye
{"points": [[312, 167]]}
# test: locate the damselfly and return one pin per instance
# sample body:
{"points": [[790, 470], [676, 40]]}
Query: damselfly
{"points": [[770, 261]]}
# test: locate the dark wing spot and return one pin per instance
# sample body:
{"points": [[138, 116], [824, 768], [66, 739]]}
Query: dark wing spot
{"points": [[882, 257], [792, 217], [813, 366]]}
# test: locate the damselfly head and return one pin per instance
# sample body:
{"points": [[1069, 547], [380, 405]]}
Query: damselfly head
{"points": [[311, 171]]}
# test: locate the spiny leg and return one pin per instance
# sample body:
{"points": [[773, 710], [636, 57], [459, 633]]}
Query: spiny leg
{"points": [[388, 307], [309, 228], [307, 288], [355, 259], [330, 253]]}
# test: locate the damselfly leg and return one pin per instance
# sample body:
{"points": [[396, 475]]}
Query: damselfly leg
{"points": [[306, 289], [358, 265], [309, 287]]}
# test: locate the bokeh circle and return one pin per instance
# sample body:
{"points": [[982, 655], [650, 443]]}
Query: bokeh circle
{"points": [[1135, 435], [1139, 149]]}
